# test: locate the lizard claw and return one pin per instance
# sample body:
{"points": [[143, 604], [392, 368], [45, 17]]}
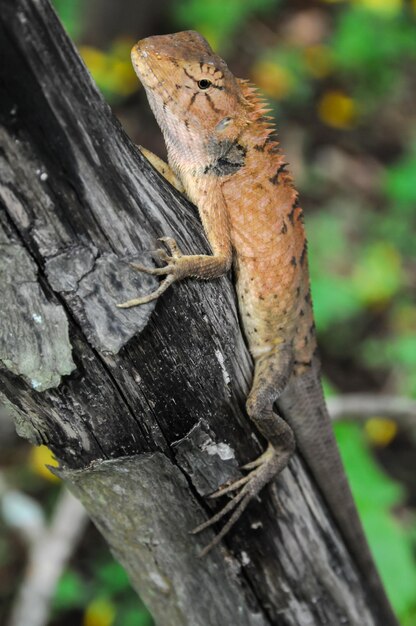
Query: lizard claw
{"points": [[153, 271], [268, 465], [236, 484], [231, 487], [151, 296], [168, 271], [260, 459], [239, 503]]}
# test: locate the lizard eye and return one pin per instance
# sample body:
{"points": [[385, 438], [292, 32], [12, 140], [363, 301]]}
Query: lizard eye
{"points": [[204, 83]]}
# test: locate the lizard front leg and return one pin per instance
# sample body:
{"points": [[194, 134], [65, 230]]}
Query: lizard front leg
{"points": [[163, 168], [203, 266], [272, 371]]}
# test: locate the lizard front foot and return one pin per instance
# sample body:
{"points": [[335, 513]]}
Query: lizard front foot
{"points": [[170, 271], [263, 470]]}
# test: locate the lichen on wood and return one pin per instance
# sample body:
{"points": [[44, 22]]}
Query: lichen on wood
{"points": [[34, 341]]}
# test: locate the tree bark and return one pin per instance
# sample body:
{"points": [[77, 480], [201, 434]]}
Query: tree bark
{"points": [[144, 408]]}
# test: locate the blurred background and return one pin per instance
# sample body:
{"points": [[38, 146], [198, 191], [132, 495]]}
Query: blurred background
{"points": [[341, 78]]}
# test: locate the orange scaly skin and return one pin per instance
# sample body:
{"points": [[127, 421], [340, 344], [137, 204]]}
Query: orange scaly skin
{"points": [[222, 153]]}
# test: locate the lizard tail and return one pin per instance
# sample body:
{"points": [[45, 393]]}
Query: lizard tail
{"points": [[302, 404]]}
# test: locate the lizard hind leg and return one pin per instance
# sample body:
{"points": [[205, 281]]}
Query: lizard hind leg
{"points": [[271, 373]]}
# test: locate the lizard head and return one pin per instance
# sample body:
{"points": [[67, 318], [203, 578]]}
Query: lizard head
{"points": [[197, 102]]}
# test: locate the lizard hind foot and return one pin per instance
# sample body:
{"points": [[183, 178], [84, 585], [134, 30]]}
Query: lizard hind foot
{"points": [[266, 467], [151, 296]]}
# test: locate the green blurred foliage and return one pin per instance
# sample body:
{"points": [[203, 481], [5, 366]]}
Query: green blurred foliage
{"points": [[105, 594], [368, 48], [217, 20], [333, 294], [375, 496], [399, 183], [70, 13], [399, 221], [71, 592]]}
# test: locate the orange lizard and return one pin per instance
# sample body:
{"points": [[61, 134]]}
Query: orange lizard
{"points": [[223, 155]]}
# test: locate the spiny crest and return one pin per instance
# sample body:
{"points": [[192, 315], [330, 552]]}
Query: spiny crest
{"points": [[258, 112], [265, 126], [257, 103]]}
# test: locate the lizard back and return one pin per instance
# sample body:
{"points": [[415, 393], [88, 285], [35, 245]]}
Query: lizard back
{"points": [[220, 145]]}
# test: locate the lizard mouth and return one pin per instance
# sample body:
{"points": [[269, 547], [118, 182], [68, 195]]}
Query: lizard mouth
{"points": [[145, 62], [140, 61]]}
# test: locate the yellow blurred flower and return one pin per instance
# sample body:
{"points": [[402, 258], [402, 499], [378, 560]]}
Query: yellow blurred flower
{"points": [[125, 79], [112, 70], [380, 431], [94, 59], [40, 456], [337, 109], [99, 612], [275, 80], [318, 60], [381, 6]]}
